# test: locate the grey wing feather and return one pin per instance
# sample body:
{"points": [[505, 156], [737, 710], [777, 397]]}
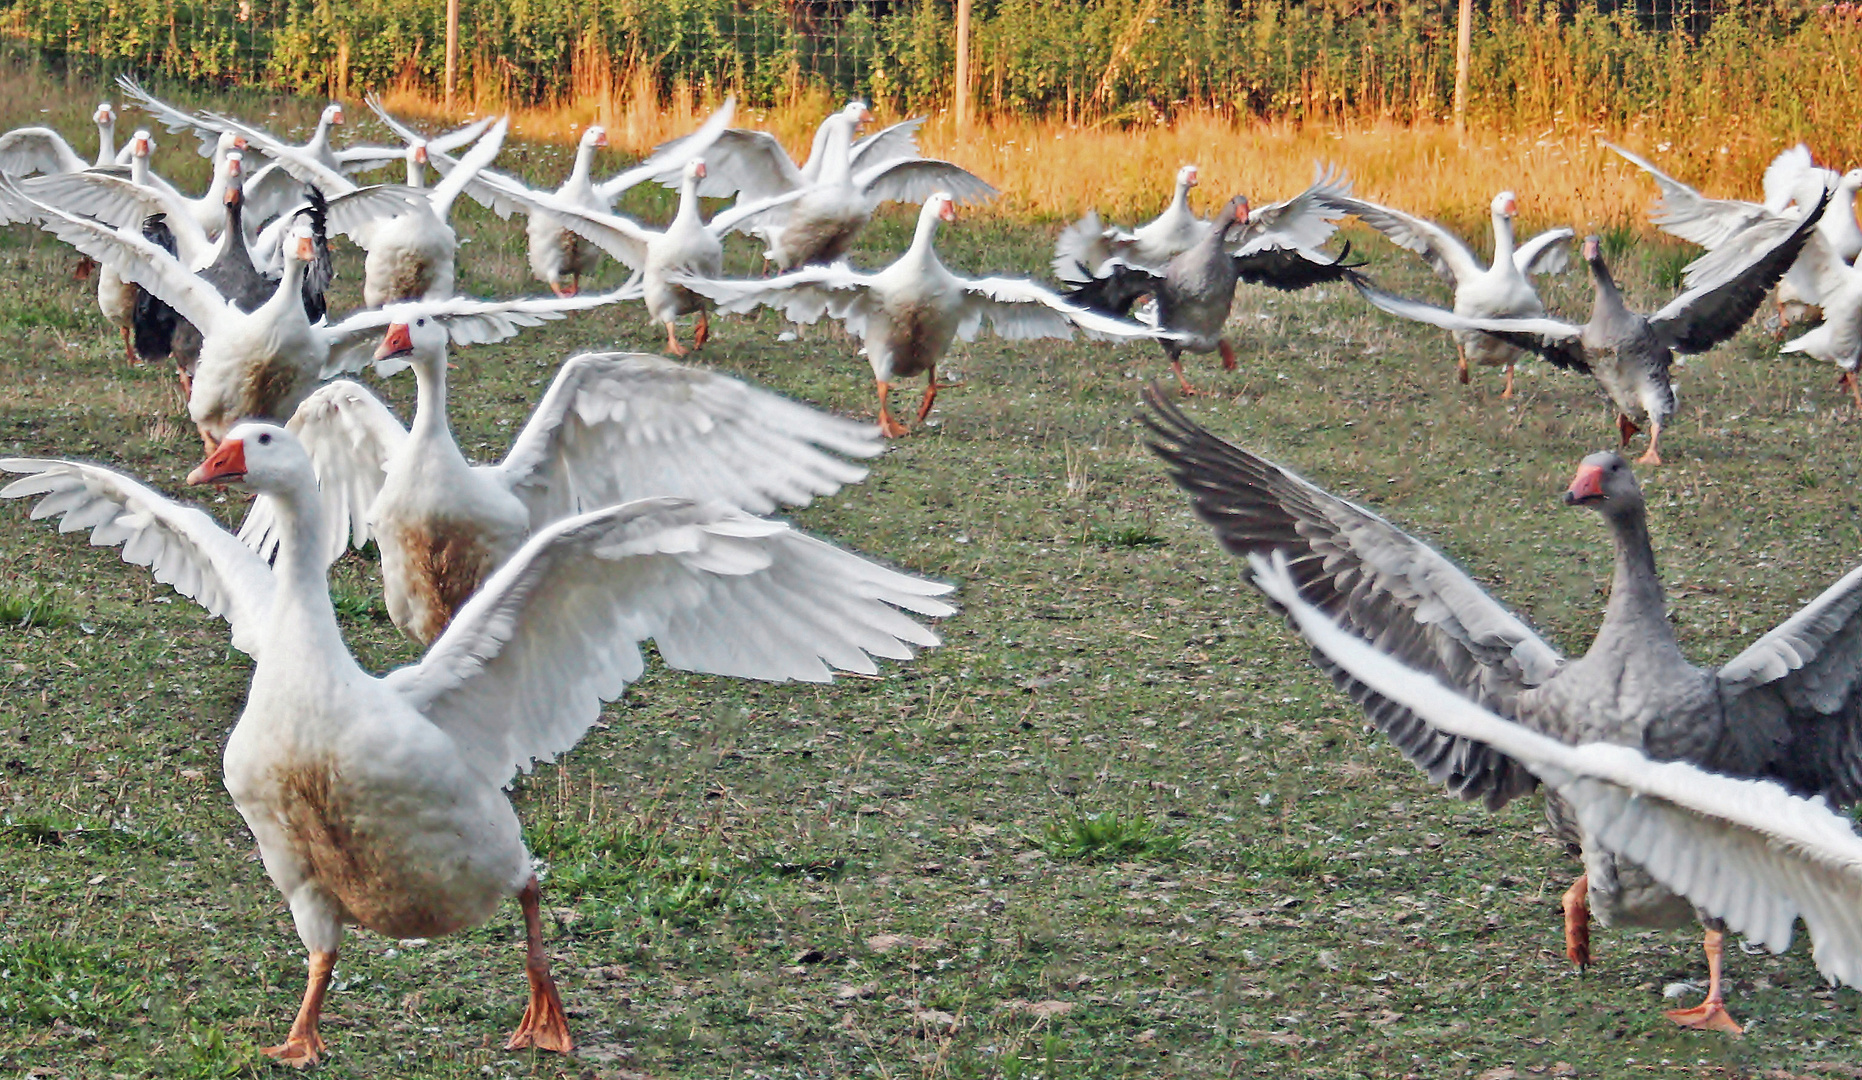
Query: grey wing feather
{"points": [[1384, 584], [1713, 310], [1686, 213], [897, 141], [918, 179], [1545, 253]]}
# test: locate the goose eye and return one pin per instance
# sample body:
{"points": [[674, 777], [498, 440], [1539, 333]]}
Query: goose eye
{"points": [[420, 322], [265, 439]]}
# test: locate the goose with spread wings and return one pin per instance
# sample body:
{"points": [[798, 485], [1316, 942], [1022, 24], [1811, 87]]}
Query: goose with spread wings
{"points": [[1085, 246], [611, 427], [28, 150], [1747, 855], [559, 256], [1626, 352], [1277, 245], [1500, 290], [1788, 709], [379, 801], [753, 164], [208, 127], [907, 315], [1733, 229]]}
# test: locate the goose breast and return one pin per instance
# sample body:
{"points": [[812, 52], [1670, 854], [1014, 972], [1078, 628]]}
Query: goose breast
{"points": [[446, 530], [410, 258]]}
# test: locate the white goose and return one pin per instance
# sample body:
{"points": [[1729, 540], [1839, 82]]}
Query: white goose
{"points": [[1084, 247], [1502, 290], [28, 150], [1794, 178], [379, 802], [1748, 853], [688, 245], [1838, 339], [612, 427], [819, 225], [907, 314], [754, 165], [123, 201], [405, 231]]}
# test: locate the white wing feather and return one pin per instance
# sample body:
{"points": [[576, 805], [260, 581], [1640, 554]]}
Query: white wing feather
{"points": [[349, 435], [181, 545], [522, 671], [621, 426]]}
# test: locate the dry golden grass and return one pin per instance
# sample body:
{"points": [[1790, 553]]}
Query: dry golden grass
{"points": [[1049, 169]]}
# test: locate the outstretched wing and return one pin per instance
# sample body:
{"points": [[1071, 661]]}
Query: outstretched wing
{"points": [[349, 435], [468, 321], [672, 156], [751, 164], [1545, 253], [1558, 342], [1451, 259], [621, 426], [1290, 269], [1018, 309], [172, 118], [28, 150], [917, 179], [1799, 689], [521, 672], [1383, 584], [803, 295], [1714, 309], [887, 144], [181, 546], [1686, 213], [1303, 223], [1746, 851]]}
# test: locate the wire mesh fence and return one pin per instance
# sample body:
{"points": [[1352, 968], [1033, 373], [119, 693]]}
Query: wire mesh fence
{"points": [[1125, 60]]}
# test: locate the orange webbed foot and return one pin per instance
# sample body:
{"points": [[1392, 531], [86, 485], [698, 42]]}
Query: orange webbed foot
{"points": [[1707, 1016], [297, 1051]]}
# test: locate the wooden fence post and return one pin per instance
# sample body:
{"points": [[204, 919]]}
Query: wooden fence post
{"points": [[963, 64], [452, 49], [1464, 44]]}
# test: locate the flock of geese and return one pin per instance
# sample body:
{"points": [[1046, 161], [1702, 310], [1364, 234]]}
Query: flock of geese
{"points": [[632, 504]]}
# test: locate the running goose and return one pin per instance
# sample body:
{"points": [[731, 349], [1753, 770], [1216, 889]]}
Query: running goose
{"points": [[1085, 246], [1838, 339], [1626, 352], [1794, 178], [122, 200], [1502, 290], [1788, 709], [612, 427], [379, 801], [1278, 246], [1746, 854], [907, 314], [28, 150]]}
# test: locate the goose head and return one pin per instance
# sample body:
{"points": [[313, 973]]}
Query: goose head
{"points": [[1605, 483], [227, 143], [1506, 205], [857, 112], [260, 457], [1186, 178], [301, 244], [693, 172], [1851, 182], [235, 177], [596, 136], [141, 144], [332, 115], [105, 116], [419, 340]]}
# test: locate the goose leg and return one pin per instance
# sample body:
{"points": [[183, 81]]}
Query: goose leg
{"points": [[888, 427], [1228, 354], [1848, 379], [1461, 363], [129, 346], [702, 332], [1626, 428], [303, 1045], [1653, 455], [545, 1025], [1508, 392], [1576, 903], [1711, 1014], [672, 340]]}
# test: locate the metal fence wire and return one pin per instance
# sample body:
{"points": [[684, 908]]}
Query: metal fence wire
{"points": [[1123, 59]]}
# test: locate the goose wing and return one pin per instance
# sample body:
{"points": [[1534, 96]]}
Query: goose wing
{"points": [[1545, 253], [917, 179], [620, 426], [28, 150], [1451, 259], [121, 203], [1715, 307], [803, 296], [523, 670], [292, 159], [1746, 851], [617, 234], [183, 547], [1018, 309], [1381, 583], [1684, 212], [468, 321], [171, 117], [1303, 223], [480, 157], [349, 435], [1082, 249], [887, 144], [751, 164], [1558, 342], [1794, 696], [1288, 268], [670, 158]]}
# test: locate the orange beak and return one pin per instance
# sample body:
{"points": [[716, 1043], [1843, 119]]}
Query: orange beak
{"points": [[398, 342], [1586, 487], [140, 148], [1511, 207], [227, 464], [306, 249], [699, 171], [337, 116], [239, 142], [1241, 210], [234, 166], [1194, 177], [601, 137], [948, 211], [420, 154]]}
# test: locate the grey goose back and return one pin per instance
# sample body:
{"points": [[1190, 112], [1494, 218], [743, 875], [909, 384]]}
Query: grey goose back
{"points": [[1628, 353], [1085, 246], [1787, 709]]}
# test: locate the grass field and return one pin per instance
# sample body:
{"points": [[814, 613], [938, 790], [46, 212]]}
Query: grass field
{"points": [[1115, 826]]}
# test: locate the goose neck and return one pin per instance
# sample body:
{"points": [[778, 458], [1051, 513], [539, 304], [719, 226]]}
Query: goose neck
{"points": [[1607, 299], [139, 170], [430, 421], [106, 143], [302, 611], [923, 249], [688, 203], [837, 152], [1638, 606], [1503, 243], [416, 176]]}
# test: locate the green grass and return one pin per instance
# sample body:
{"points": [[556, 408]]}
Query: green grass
{"points": [[781, 881]]}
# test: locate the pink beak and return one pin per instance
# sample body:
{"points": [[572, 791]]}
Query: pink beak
{"points": [[306, 249], [420, 154], [699, 171], [947, 211], [601, 137], [337, 116], [1586, 486]]}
